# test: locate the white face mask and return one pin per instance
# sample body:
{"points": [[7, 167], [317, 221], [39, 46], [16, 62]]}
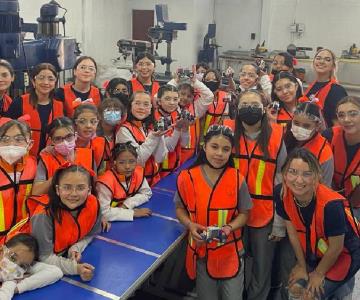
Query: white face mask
{"points": [[12, 154], [10, 270], [301, 134]]}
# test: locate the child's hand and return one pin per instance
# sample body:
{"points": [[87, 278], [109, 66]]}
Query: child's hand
{"points": [[142, 212], [182, 124], [105, 225], [75, 255], [195, 230], [86, 271]]}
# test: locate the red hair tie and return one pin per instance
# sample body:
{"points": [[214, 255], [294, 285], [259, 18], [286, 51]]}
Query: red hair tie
{"points": [[24, 118], [77, 102], [105, 84], [295, 61], [69, 164]]}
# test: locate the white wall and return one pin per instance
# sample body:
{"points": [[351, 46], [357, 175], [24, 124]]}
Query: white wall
{"points": [[235, 21]]}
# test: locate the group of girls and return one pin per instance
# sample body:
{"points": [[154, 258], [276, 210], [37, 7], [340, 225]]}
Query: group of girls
{"points": [[72, 161], [298, 161]]}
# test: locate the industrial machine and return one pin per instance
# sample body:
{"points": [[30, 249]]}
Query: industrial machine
{"points": [[352, 53], [209, 54], [48, 44]]}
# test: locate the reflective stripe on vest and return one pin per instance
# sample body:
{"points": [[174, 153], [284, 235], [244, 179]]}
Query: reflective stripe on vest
{"points": [[12, 201], [284, 117], [211, 206], [69, 97], [318, 240], [35, 122], [260, 175], [119, 192]]}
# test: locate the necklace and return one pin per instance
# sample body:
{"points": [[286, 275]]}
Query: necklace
{"points": [[299, 204]]}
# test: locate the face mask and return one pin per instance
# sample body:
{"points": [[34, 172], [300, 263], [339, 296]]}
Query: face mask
{"points": [[12, 154], [250, 115], [274, 72], [10, 270], [301, 134], [112, 117], [65, 148], [212, 85], [199, 76]]}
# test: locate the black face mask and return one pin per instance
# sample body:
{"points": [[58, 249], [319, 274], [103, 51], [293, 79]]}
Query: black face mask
{"points": [[250, 115], [274, 72], [124, 99], [212, 85]]}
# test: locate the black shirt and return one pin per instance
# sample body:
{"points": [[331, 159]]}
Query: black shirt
{"points": [[336, 93]]}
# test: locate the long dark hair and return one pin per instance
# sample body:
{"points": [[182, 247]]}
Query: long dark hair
{"points": [[150, 119], [265, 129], [289, 76], [55, 204], [215, 130], [34, 72]]}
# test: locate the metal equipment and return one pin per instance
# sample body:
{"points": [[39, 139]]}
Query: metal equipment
{"points": [[48, 44]]}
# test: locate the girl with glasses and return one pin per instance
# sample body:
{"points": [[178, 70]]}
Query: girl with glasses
{"points": [[345, 143], [82, 88], [40, 104], [321, 230], [61, 149], [325, 89], [210, 192]]}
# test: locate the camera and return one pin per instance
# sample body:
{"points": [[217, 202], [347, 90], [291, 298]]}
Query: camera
{"points": [[184, 75], [213, 233], [261, 64], [186, 115], [162, 124], [224, 80], [275, 105]]}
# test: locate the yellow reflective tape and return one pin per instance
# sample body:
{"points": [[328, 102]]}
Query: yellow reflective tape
{"points": [[222, 217], [27, 193], [2, 213], [355, 181], [236, 163], [322, 246], [207, 123], [114, 204], [165, 163], [259, 177], [189, 143], [18, 225]]}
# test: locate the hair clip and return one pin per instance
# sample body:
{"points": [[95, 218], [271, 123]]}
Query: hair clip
{"points": [[77, 102]]}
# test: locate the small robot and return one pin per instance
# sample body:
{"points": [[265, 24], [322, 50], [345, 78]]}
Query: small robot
{"points": [[162, 124], [213, 233]]}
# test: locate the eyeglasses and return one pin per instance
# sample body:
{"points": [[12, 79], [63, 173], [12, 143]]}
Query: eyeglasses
{"points": [[12, 256], [45, 78], [118, 91], [147, 64], [59, 139], [87, 68], [17, 139], [141, 104], [285, 87], [320, 58], [84, 122], [252, 105], [352, 114], [249, 75], [304, 174], [68, 188]]}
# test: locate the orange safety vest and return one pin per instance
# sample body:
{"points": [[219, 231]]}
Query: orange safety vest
{"points": [[284, 117], [215, 206], [83, 157], [260, 175], [120, 192], [346, 177], [98, 145], [194, 137], [172, 159], [13, 196], [6, 103], [69, 97], [57, 111], [318, 240], [151, 168], [321, 94], [320, 147], [108, 160], [216, 111], [136, 85]]}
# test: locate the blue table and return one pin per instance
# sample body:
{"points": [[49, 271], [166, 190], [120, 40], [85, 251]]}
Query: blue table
{"points": [[124, 257]]}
